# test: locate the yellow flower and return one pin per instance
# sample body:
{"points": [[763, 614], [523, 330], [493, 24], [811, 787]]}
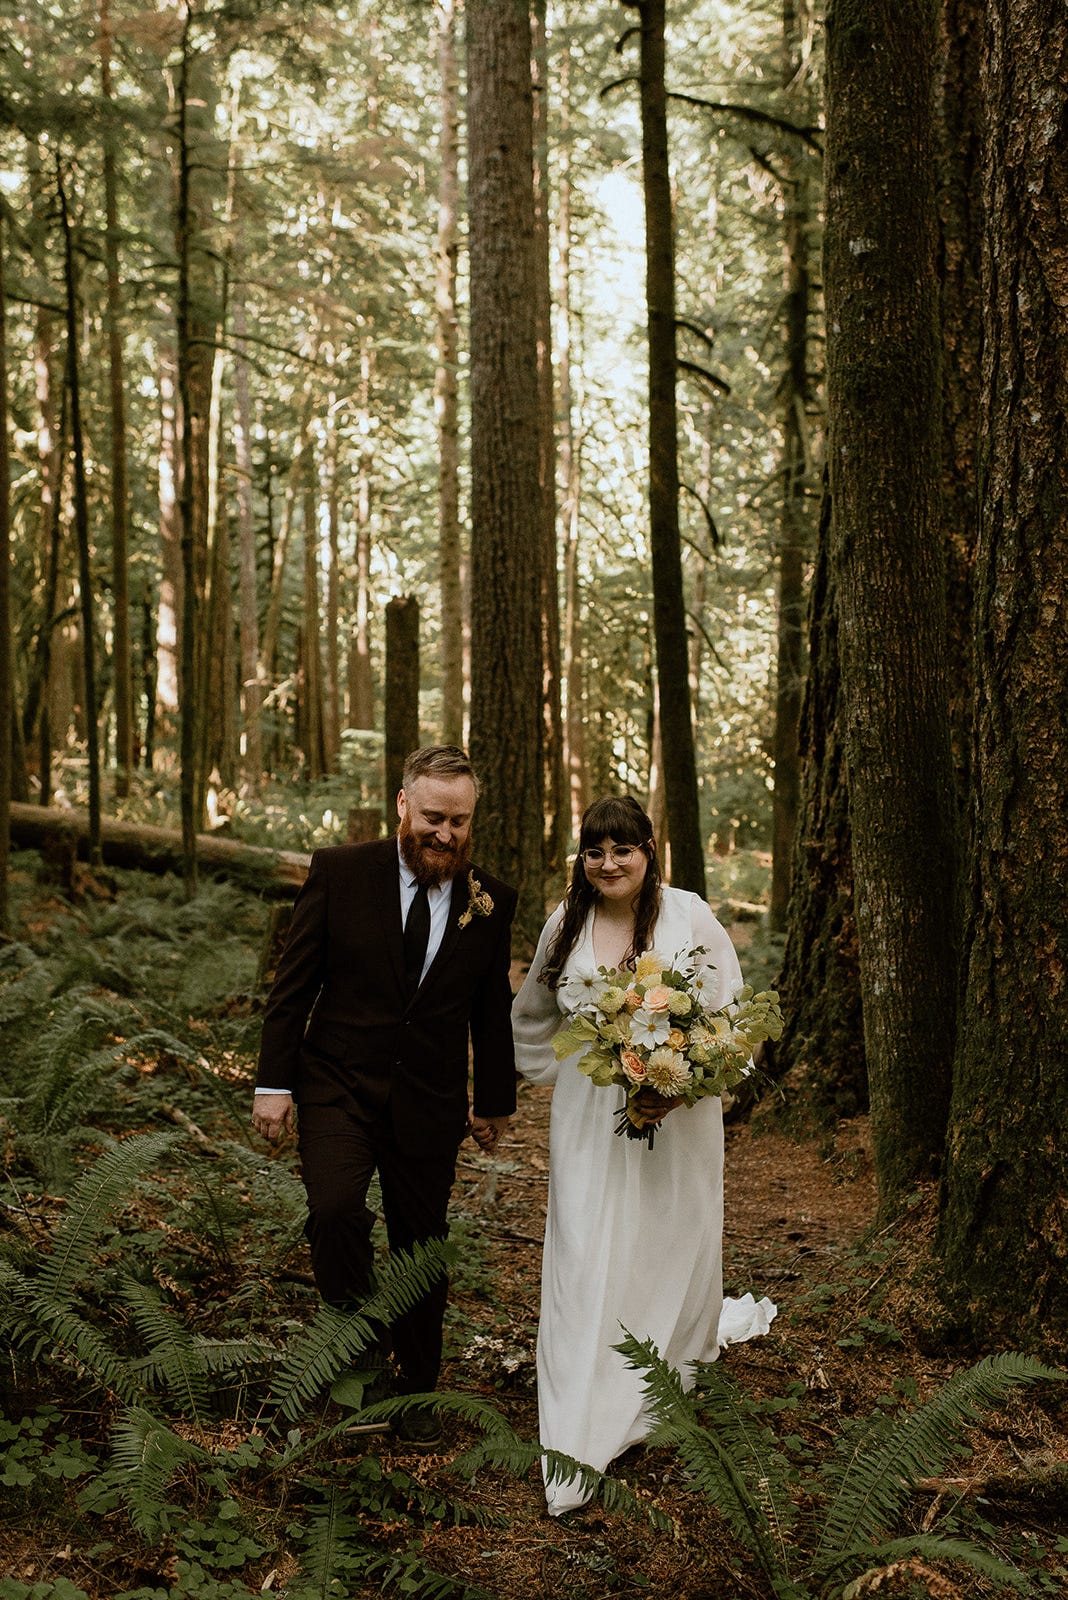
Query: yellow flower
{"points": [[666, 1071], [649, 966], [679, 1003]]}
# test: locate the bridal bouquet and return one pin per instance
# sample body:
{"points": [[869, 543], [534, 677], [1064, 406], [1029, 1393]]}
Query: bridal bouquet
{"points": [[652, 1029]]}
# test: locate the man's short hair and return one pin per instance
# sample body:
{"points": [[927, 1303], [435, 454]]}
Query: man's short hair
{"points": [[438, 761]]}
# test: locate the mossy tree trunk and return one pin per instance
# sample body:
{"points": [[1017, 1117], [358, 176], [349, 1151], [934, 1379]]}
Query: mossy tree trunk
{"points": [[506, 518], [884, 457], [1004, 1228]]}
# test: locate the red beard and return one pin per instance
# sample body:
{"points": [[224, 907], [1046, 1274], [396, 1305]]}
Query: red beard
{"points": [[429, 861]]}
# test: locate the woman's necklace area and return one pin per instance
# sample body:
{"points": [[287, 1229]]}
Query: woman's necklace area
{"points": [[612, 935]]}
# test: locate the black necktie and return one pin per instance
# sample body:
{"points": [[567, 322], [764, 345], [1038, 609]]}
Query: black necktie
{"points": [[416, 937]]}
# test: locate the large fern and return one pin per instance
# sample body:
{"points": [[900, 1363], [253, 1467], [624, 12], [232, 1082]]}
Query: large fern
{"points": [[110, 1180], [878, 1480], [729, 1461], [147, 1456], [36, 1320], [336, 1339], [174, 1363]]}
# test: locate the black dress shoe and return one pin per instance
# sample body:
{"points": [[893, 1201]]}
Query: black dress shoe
{"points": [[418, 1427]]}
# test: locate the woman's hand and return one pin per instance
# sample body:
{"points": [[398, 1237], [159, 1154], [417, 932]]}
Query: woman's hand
{"points": [[651, 1108]]}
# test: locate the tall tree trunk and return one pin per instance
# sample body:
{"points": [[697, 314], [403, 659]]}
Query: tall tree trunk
{"points": [[557, 831], [1004, 1239], [506, 524], [883, 392], [961, 211], [450, 553], [401, 715], [192, 407], [120, 561], [50, 455], [361, 682], [7, 684], [669, 604], [793, 530], [821, 1052], [248, 606], [314, 751], [81, 524], [171, 588], [332, 697], [572, 670]]}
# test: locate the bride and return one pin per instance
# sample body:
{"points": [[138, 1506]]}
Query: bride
{"points": [[633, 1235]]}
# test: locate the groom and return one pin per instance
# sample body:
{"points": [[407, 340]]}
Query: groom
{"points": [[397, 953]]}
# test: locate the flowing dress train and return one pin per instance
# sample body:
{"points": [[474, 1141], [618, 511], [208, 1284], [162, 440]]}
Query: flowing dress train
{"points": [[633, 1236]]}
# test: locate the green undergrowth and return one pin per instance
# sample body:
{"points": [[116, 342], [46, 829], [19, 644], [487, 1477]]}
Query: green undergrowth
{"points": [[166, 1426]]}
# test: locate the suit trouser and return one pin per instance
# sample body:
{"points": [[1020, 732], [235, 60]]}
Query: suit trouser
{"points": [[338, 1155]]}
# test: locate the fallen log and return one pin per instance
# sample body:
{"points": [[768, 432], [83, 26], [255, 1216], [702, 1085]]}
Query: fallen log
{"points": [[278, 873]]}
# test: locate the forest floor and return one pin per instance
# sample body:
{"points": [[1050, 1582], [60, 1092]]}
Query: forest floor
{"points": [[848, 1344]]}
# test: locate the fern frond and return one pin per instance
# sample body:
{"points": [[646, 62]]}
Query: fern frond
{"points": [[174, 1363], [878, 1481], [233, 1355], [108, 1181], [331, 1531], [728, 1461], [335, 1339], [504, 1449], [148, 1456], [35, 1320], [410, 1576], [930, 1547]]}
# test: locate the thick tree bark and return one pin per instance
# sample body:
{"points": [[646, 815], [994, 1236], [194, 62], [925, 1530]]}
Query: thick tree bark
{"points": [[820, 1056], [401, 690], [120, 649], [506, 523], [669, 605], [884, 401], [1004, 1230], [450, 555], [962, 114]]}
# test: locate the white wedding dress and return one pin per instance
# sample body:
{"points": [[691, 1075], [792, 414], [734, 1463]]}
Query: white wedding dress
{"points": [[633, 1236]]}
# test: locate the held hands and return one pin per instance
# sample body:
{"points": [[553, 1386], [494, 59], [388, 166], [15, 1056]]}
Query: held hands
{"points": [[486, 1131], [653, 1108], [273, 1115]]}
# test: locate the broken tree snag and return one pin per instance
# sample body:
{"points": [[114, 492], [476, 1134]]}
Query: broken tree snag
{"points": [[153, 849]]}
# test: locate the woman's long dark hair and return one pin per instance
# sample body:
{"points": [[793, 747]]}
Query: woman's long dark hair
{"points": [[614, 817]]}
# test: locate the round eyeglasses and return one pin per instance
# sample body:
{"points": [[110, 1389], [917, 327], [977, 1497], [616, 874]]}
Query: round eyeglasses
{"points": [[621, 855]]}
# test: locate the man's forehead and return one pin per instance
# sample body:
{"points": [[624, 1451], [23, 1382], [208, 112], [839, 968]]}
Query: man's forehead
{"points": [[451, 795]]}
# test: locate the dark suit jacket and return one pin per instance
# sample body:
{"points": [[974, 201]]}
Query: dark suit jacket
{"points": [[338, 1028]]}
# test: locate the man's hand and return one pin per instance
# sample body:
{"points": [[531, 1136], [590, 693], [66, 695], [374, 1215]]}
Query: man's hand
{"points": [[272, 1115], [486, 1131]]}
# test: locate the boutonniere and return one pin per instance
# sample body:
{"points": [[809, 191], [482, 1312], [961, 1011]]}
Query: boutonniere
{"points": [[479, 903]]}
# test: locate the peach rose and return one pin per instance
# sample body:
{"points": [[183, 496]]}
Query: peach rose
{"points": [[657, 998], [632, 1000], [633, 1066]]}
